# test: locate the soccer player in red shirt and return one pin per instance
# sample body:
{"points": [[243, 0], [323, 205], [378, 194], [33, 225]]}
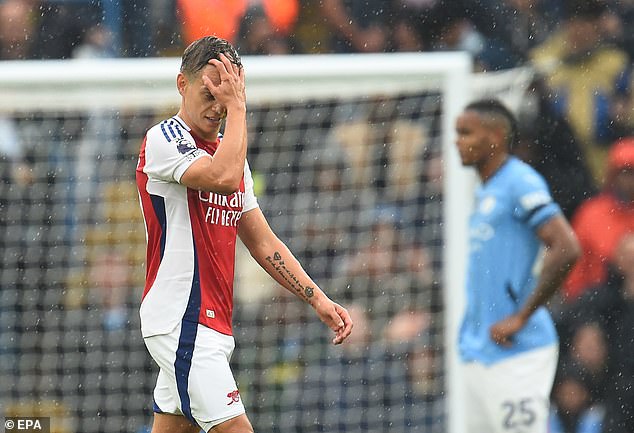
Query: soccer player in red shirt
{"points": [[196, 193]]}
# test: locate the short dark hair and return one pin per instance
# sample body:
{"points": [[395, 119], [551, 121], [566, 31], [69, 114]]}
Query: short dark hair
{"points": [[493, 107], [199, 52]]}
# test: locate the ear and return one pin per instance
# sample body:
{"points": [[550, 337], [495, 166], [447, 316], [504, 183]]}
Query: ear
{"points": [[498, 136], [181, 83]]}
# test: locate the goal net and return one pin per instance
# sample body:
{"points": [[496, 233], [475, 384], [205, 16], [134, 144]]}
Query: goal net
{"points": [[353, 169]]}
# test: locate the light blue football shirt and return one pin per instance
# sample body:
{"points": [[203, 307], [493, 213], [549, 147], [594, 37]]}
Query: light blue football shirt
{"points": [[503, 249]]}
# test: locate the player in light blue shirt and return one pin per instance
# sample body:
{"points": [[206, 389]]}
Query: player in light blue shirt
{"points": [[507, 341]]}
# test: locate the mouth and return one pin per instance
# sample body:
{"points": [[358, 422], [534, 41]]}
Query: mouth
{"points": [[213, 119]]}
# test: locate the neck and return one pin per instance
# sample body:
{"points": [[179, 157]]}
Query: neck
{"points": [[194, 128], [489, 167]]}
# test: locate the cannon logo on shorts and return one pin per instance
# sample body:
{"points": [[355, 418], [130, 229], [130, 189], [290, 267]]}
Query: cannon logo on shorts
{"points": [[234, 396]]}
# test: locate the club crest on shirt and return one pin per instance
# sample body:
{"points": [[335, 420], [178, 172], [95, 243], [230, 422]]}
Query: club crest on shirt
{"points": [[487, 205], [185, 146]]}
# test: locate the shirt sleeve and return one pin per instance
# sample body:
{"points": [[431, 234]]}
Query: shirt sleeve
{"points": [[250, 200], [533, 203], [169, 152]]}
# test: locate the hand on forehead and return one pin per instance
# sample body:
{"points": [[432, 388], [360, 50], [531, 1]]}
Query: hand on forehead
{"points": [[212, 73]]}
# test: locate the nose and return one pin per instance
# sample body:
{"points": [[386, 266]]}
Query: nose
{"points": [[218, 108]]}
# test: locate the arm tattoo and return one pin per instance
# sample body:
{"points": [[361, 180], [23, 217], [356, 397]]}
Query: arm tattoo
{"points": [[280, 266]]}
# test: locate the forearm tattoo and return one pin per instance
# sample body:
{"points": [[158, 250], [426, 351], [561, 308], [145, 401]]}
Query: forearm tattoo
{"points": [[280, 267]]}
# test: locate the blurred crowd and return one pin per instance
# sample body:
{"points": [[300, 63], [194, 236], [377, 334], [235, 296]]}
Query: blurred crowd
{"points": [[581, 49], [576, 126]]}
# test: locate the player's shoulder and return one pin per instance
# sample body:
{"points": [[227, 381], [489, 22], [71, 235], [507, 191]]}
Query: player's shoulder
{"points": [[169, 130], [520, 167], [521, 173]]}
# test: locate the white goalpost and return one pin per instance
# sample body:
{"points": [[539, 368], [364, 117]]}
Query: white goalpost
{"points": [[354, 163]]}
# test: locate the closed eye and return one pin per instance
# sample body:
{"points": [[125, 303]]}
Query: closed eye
{"points": [[206, 94]]}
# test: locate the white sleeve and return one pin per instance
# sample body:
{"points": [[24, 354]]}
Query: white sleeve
{"points": [[250, 200], [170, 152]]}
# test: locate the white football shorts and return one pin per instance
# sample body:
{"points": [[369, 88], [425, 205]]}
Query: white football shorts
{"points": [[195, 379], [510, 396]]}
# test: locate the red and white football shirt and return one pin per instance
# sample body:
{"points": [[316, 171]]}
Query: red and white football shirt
{"points": [[191, 234]]}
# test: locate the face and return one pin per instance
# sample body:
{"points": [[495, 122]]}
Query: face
{"points": [[199, 108], [583, 34], [571, 395], [474, 138]]}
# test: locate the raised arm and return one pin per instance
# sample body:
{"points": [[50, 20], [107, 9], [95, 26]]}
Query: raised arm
{"points": [[277, 260], [562, 250], [222, 173]]}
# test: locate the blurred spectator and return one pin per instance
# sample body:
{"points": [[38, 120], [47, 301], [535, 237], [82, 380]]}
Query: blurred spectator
{"points": [[582, 73], [624, 10], [612, 306], [17, 29], [167, 37], [459, 35], [259, 36], [201, 17], [357, 140], [547, 142], [337, 401], [572, 410], [138, 24], [385, 253], [602, 221], [406, 143], [619, 122], [414, 15], [409, 336], [528, 23], [61, 26], [110, 278], [588, 352], [97, 43], [13, 166], [357, 26], [616, 22], [408, 325], [326, 212], [49, 29], [456, 32], [368, 386], [405, 36], [497, 34], [376, 257], [311, 34], [387, 262]]}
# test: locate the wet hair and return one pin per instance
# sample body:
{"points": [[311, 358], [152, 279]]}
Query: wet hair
{"points": [[495, 109], [197, 55]]}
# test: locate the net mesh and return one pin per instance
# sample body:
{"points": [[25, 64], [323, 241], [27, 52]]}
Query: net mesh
{"points": [[352, 185]]}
